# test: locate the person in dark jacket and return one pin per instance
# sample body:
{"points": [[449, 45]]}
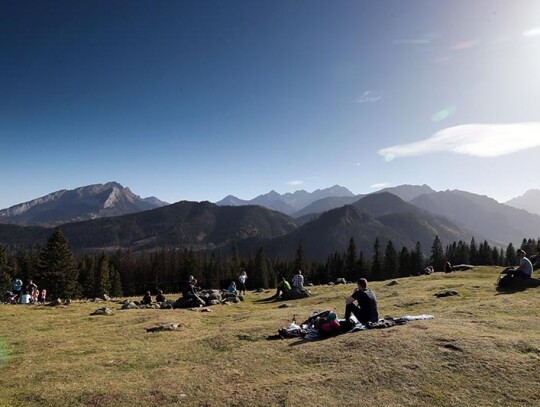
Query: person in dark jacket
{"points": [[365, 309], [147, 299]]}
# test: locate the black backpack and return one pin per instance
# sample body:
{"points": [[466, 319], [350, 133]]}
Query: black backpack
{"points": [[505, 280]]}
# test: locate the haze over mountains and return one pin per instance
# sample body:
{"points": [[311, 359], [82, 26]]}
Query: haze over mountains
{"points": [[110, 216], [530, 201]]}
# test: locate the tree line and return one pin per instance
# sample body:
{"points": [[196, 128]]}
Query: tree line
{"points": [[127, 273]]}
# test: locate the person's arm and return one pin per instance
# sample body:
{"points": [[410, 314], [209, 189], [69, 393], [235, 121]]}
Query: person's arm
{"points": [[351, 299]]}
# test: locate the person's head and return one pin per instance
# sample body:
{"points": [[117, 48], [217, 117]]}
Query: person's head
{"points": [[148, 293], [362, 283], [191, 278], [521, 253], [233, 283], [299, 271], [282, 278], [160, 291]]}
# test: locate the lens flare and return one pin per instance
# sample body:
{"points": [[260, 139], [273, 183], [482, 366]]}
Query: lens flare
{"points": [[389, 157], [443, 114]]}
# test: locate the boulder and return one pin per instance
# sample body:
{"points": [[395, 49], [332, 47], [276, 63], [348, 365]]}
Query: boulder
{"points": [[106, 297], [130, 305], [171, 326], [446, 293], [295, 293], [392, 283], [102, 311], [340, 280]]}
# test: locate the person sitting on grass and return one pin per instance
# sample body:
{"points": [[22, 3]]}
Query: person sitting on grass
{"points": [[282, 287], [147, 299], [525, 268], [232, 288], [366, 310], [160, 297], [190, 294]]}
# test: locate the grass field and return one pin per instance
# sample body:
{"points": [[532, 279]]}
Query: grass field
{"points": [[482, 349]]}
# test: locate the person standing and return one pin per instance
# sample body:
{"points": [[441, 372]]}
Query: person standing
{"points": [[242, 283], [366, 310]]}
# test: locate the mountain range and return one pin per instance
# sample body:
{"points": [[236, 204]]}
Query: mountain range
{"points": [[529, 201], [89, 202], [405, 214]]}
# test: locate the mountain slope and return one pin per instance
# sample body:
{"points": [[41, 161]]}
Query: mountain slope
{"points": [[184, 224], [326, 204], [529, 201], [408, 192], [89, 202], [498, 222]]}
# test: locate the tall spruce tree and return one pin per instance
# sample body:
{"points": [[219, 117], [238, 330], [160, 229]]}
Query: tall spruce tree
{"points": [[437, 254], [417, 260], [351, 262], [404, 269], [260, 272], [391, 262], [57, 272], [376, 264], [5, 278], [300, 261], [511, 258], [103, 282]]}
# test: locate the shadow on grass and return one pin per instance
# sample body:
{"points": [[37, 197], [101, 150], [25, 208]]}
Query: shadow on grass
{"points": [[518, 285]]}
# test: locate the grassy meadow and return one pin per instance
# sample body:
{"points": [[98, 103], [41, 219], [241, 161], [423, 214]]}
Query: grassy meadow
{"points": [[482, 349]]}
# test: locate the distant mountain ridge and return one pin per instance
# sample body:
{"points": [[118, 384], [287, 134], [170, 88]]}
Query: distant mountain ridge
{"points": [[88, 202], [529, 201], [288, 203]]}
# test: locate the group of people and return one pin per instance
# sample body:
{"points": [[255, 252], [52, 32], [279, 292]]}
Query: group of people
{"points": [[297, 283], [28, 294]]}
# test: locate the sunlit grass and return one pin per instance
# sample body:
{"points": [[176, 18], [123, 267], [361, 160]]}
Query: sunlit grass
{"points": [[478, 340]]}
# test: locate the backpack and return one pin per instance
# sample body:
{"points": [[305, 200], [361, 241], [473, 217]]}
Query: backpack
{"points": [[504, 280]]}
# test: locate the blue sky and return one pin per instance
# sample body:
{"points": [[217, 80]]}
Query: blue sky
{"points": [[200, 99]]}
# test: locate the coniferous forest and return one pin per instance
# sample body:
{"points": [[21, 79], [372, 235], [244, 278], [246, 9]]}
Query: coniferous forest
{"points": [[127, 273]]}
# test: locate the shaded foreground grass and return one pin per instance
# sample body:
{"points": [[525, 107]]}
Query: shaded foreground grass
{"points": [[482, 349]]}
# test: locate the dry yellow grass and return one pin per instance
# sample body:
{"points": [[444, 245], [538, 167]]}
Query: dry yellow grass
{"points": [[482, 349]]}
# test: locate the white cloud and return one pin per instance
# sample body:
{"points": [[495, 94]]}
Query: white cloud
{"points": [[380, 185], [476, 140], [369, 96], [295, 182], [533, 32]]}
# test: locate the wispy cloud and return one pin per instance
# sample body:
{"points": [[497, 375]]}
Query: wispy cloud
{"points": [[295, 182], [412, 41], [477, 140], [464, 45], [533, 32], [380, 185], [369, 96]]}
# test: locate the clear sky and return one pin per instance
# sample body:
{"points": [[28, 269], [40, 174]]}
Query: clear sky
{"points": [[200, 99]]}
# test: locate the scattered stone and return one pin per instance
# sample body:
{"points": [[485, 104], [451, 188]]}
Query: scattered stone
{"points": [[201, 309], [67, 301], [286, 305], [446, 293], [96, 299], [130, 305], [309, 285], [259, 290], [330, 283], [106, 297], [171, 326], [102, 311], [340, 280], [392, 283]]}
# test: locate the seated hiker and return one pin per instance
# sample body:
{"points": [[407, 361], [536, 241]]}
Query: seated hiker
{"points": [[366, 310], [17, 287], [282, 287], [448, 267], [298, 280], [525, 268], [147, 299], [160, 297], [232, 288], [190, 293]]}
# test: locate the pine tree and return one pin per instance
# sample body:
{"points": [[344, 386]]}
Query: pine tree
{"points": [[351, 262], [473, 252], [511, 259], [116, 282], [376, 264], [391, 262], [300, 261], [57, 271], [260, 274], [404, 269], [5, 278], [103, 283], [437, 255], [417, 260]]}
